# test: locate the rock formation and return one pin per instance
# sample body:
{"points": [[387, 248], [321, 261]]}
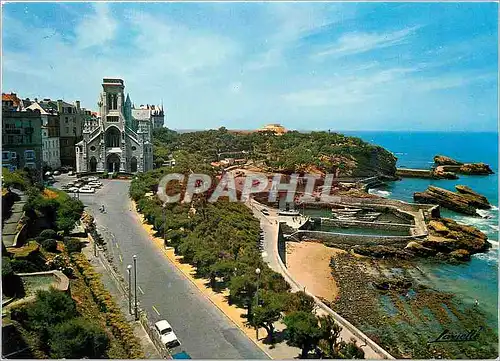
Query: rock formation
{"points": [[454, 201], [446, 235], [440, 173], [444, 160], [475, 199], [447, 240], [451, 165]]}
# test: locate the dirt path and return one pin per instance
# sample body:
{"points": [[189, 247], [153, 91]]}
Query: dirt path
{"points": [[309, 264]]}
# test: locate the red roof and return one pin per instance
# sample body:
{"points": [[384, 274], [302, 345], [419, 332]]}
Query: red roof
{"points": [[11, 97]]}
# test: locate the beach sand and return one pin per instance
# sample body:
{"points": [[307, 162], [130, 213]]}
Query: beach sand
{"points": [[309, 264]]}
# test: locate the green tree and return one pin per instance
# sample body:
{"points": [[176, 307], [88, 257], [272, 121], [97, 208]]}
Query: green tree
{"points": [[300, 301], [302, 331], [77, 339], [351, 351], [330, 332], [268, 311]]}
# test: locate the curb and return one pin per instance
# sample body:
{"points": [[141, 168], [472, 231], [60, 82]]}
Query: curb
{"points": [[189, 277]]}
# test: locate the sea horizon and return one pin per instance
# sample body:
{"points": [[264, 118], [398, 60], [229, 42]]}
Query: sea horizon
{"points": [[179, 130]]}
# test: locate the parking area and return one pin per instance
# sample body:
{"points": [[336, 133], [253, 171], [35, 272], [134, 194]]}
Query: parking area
{"points": [[78, 186]]}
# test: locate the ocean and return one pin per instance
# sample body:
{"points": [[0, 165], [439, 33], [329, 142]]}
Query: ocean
{"points": [[477, 279]]}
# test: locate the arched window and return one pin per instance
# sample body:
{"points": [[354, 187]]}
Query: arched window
{"points": [[113, 137], [133, 165], [93, 164]]}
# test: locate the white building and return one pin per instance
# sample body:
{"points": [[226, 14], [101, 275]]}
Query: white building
{"points": [[119, 139]]}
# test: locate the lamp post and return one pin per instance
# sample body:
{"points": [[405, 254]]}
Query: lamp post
{"points": [[135, 287], [257, 272], [129, 272], [164, 223]]}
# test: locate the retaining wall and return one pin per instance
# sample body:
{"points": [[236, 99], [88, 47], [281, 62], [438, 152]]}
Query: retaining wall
{"points": [[364, 224], [354, 239]]}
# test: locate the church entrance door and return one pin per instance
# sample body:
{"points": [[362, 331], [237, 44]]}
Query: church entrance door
{"points": [[113, 163]]}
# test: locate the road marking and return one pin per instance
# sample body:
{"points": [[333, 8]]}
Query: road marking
{"points": [[117, 246], [154, 308], [120, 256], [140, 289]]}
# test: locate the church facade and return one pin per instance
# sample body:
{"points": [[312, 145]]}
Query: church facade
{"points": [[119, 138]]}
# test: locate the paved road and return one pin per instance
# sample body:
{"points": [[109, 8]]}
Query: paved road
{"points": [[204, 331]]}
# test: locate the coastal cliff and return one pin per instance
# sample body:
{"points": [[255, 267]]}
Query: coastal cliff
{"points": [[465, 201]]}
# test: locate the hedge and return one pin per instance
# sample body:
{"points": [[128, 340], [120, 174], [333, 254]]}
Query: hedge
{"points": [[114, 318]]}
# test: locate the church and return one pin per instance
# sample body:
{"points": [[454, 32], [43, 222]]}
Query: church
{"points": [[119, 137]]}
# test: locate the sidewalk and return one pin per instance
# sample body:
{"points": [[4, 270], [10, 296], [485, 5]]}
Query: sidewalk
{"points": [[9, 229], [279, 351], [111, 284]]}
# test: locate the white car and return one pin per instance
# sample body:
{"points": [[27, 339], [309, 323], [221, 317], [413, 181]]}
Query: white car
{"points": [[166, 334], [92, 179], [95, 184], [86, 189], [71, 173], [73, 190]]}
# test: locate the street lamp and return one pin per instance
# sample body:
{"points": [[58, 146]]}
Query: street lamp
{"points": [[135, 287], [129, 272], [257, 272], [164, 222]]}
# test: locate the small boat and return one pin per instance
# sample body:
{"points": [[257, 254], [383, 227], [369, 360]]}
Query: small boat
{"points": [[289, 213]]}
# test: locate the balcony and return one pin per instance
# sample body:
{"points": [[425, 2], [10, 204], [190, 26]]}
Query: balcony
{"points": [[12, 131]]}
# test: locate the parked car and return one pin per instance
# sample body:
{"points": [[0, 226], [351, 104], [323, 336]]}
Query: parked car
{"points": [[92, 179], [57, 172], [265, 211], [86, 189], [95, 184], [79, 184], [71, 173], [73, 190], [166, 334], [181, 355]]}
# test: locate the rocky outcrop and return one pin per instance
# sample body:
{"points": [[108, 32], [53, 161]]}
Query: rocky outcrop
{"points": [[475, 199], [447, 199], [444, 160], [475, 169], [453, 166], [440, 173], [446, 235]]}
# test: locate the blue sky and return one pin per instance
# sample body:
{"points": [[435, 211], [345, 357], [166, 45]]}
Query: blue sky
{"points": [[339, 66]]}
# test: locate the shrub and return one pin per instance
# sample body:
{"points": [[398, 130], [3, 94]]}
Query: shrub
{"points": [[114, 318], [49, 309], [49, 245], [77, 339], [73, 245], [48, 233], [114, 175], [22, 265]]}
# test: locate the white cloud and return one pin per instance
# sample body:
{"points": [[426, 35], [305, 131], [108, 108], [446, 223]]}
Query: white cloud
{"points": [[288, 24], [356, 43], [96, 29]]}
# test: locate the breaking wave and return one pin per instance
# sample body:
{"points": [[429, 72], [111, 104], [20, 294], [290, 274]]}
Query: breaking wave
{"points": [[379, 192]]}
